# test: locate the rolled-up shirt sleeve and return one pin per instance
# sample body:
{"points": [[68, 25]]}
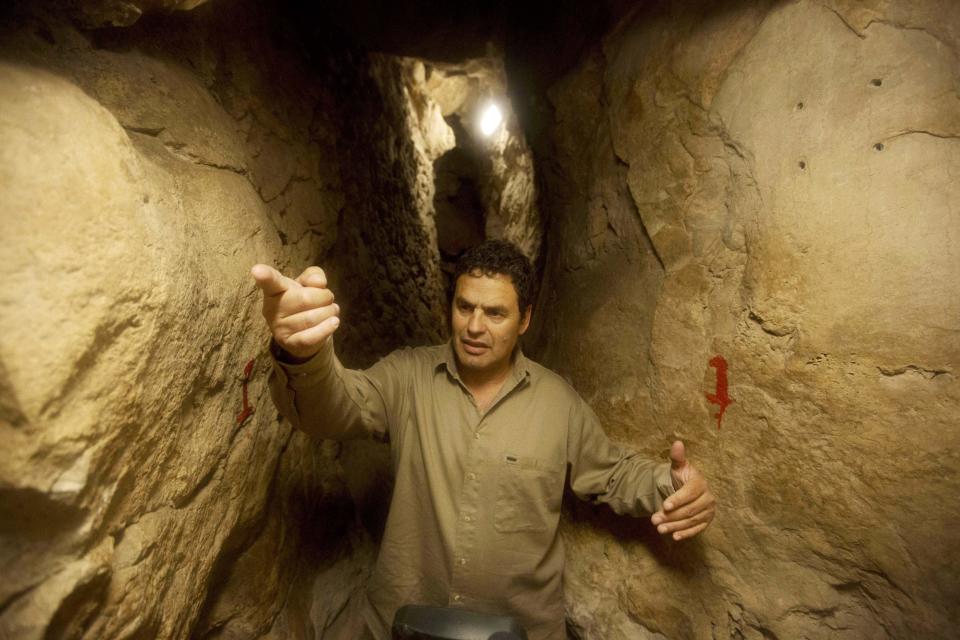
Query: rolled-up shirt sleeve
{"points": [[601, 471], [326, 400]]}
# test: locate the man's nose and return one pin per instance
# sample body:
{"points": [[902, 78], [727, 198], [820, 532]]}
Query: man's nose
{"points": [[476, 323]]}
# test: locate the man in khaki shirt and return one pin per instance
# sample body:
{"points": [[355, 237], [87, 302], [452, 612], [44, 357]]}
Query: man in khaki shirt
{"points": [[481, 440]]}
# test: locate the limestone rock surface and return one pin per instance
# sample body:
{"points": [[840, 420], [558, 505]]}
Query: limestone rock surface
{"points": [[774, 184], [760, 192], [146, 165], [124, 13], [139, 181]]}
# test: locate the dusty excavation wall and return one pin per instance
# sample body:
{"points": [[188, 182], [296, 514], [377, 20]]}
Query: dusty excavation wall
{"points": [[143, 172], [775, 184], [142, 176], [763, 189], [147, 160]]}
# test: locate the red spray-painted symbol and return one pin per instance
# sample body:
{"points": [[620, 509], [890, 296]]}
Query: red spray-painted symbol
{"points": [[721, 397], [247, 409]]}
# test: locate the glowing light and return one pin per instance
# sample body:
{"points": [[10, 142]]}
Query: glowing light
{"points": [[491, 120]]}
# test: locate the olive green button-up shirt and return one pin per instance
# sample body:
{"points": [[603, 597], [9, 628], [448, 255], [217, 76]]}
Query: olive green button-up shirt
{"points": [[476, 501]]}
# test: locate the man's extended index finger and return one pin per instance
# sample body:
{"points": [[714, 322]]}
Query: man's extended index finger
{"points": [[271, 281]]}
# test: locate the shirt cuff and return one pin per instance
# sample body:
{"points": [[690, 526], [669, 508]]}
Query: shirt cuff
{"points": [[663, 480], [322, 362]]}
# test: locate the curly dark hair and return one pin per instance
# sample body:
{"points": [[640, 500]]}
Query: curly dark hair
{"points": [[493, 257]]}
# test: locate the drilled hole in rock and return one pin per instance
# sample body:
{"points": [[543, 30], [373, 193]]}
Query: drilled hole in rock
{"points": [[799, 106], [876, 82], [878, 146], [802, 164]]}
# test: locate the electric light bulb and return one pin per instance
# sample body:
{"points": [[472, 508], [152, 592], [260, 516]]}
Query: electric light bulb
{"points": [[491, 120]]}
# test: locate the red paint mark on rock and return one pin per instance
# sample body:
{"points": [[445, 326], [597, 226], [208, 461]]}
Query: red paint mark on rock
{"points": [[721, 397], [247, 409]]}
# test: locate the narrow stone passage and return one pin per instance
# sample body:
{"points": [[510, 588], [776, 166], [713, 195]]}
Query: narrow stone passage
{"points": [[744, 222]]}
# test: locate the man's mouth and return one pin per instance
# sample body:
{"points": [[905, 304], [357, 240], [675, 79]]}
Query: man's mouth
{"points": [[472, 347]]}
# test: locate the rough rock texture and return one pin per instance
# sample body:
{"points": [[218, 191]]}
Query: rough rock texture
{"points": [[144, 169], [142, 174], [123, 13], [483, 185], [501, 165], [771, 183], [775, 184]]}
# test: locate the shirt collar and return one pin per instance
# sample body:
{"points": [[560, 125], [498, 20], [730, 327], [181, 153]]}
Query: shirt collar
{"points": [[447, 358]]}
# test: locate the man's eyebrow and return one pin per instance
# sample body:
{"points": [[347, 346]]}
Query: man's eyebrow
{"points": [[495, 309]]}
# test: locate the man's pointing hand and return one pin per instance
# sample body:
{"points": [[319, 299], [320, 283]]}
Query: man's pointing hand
{"points": [[301, 313], [691, 508]]}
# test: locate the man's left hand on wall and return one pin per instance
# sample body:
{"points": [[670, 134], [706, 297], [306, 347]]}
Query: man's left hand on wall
{"points": [[691, 508]]}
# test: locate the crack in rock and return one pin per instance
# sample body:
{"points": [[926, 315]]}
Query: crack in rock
{"points": [[861, 33], [177, 149], [845, 22], [153, 132], [926, 372], [934, 134], [907, 27]]}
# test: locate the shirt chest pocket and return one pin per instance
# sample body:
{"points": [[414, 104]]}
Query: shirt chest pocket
{"points": [[529, 492]]}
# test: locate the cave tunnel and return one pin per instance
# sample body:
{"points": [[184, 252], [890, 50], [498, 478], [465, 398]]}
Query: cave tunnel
{"points": [[743, 221]]}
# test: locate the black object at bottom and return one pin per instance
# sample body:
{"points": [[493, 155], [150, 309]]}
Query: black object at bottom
{"points": [[419, 622]]}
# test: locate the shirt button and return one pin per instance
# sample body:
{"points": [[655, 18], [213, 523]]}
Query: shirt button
{"points": [[471, 476], [468, 518], [476, 436], [463, 561], [457, 597]]}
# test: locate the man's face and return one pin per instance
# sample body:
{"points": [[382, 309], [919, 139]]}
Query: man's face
{"points": [[487, 323]]}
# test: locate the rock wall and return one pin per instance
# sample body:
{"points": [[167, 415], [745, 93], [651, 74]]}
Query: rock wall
{"points": [[761, 191], [485, 185], [148, 160], [774, 184], [142, 172]]}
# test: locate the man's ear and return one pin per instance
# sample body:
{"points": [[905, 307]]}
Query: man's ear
{"points": [[525, 319]]}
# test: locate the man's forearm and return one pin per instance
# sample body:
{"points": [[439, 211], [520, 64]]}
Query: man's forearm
{"points": [[317, 394], [637, 485], [601, 471]]}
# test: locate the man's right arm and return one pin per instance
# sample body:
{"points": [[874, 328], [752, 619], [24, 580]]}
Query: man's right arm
{"points": [[327, 400]]}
